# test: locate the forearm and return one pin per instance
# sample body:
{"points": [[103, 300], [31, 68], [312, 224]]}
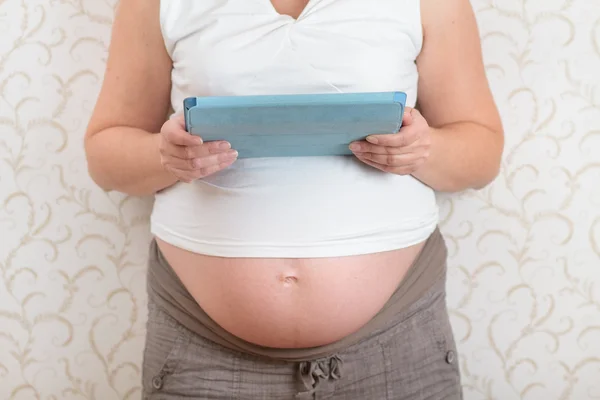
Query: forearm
{"points": [[127, 160], [462, 156]]}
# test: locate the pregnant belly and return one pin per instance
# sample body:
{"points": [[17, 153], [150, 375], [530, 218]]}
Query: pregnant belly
{"points": [[291, 303]]}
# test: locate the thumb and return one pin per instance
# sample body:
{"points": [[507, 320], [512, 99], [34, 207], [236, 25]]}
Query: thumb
{"points": [[178, 118], [407, 118]]}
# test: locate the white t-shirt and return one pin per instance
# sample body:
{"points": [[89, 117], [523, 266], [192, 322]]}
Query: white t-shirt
{"points": [[293, 207]]}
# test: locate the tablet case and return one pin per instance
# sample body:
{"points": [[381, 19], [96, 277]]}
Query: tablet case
{"points": [[294, 125]]}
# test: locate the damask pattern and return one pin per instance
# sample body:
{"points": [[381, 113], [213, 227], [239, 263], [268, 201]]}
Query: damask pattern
{"points": [[524, 285]]}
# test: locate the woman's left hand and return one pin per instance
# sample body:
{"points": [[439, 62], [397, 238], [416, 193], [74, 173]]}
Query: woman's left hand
{"points": [[401, 153]]}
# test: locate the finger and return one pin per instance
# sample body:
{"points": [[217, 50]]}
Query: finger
{"points": [[190, 152], [404, 170], [408, 117], [366, 147], [412, 117], [403, 138], [178, 119], [392, 160], [194, 164], [215, 159], [174, 134], [208, 148]]}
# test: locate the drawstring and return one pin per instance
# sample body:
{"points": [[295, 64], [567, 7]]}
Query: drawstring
{"points": [[312, 373]]}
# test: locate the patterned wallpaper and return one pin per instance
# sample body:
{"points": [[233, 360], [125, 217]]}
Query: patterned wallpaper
{"points": [[524, 283]]}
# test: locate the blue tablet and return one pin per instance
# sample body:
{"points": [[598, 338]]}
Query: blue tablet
{"points": [[294, 125]]}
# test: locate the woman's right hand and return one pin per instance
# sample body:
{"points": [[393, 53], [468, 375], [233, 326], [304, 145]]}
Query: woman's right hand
{"points": [[187, 157]]}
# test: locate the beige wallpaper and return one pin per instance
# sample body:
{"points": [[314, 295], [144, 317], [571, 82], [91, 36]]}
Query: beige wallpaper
{"points": [[525, 254]]}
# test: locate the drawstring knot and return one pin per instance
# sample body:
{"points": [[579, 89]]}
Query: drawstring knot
{"points": [[313, 373]]}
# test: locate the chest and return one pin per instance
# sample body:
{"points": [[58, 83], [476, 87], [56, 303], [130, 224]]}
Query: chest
{"points": [[292, 8], [239, 47]]}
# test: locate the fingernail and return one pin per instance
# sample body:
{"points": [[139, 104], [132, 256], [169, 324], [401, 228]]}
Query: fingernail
{"points": [[198, 140], [232, 154], [225, 146], [355, 147], [372, 139]]}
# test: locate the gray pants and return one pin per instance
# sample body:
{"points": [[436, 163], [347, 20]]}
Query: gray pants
{"points": [[412, 358]]}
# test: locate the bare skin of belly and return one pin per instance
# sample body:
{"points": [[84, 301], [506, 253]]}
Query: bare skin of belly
{"points": [[291, 303]]}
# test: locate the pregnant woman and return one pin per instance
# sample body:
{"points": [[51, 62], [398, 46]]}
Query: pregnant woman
{"points": [[309, 277]]}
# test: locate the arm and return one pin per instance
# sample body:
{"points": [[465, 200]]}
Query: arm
{"points": [[466, 133], [457, 141], [121, 143]]}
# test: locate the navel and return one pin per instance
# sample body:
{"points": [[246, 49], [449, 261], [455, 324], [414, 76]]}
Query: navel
{"points": [[288, 280]]}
